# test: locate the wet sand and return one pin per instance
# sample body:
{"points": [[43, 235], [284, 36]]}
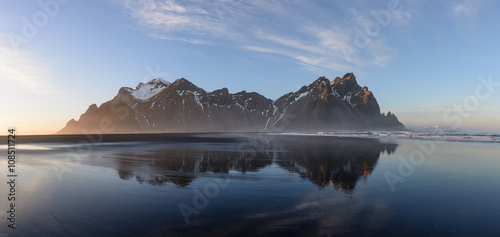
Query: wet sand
{"points": [[252, 184]]}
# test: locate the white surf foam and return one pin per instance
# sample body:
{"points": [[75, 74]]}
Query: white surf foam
{"points": [[442, 136]]}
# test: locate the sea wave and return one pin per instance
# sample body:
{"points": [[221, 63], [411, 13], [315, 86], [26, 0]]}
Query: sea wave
{"points": [[442, 136]]}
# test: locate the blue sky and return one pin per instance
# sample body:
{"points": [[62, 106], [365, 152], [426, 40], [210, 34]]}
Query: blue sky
{"points": [[421, 59]]}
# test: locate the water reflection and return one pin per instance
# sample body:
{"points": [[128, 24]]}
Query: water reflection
{"points": [[341, 162], [337, 161], [279, 186]]}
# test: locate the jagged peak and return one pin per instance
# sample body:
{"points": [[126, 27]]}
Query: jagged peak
{"points": [[336, 81], [126, 90], [182, 81], [323, 79], [223, 91], [155, 83], [183, 84], [139, 86], [321, 82], [92, 107], [158, 80], [365, 89], [348, 77], [321, 85], [71, 122], [144, 91]]}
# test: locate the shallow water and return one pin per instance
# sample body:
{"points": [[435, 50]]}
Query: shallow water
{"points": [[252, 184]]}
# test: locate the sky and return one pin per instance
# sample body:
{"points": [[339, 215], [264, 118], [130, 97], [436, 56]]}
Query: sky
{"points": [[429, 62]]}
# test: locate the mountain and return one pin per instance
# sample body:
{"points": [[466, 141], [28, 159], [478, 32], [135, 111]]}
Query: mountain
{"points": [[336, 105], [181, 106]]}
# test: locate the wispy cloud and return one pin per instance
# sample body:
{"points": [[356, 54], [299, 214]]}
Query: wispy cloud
{"points": [[158, 35], [462, 8], [467, 8], [265, 26], [23, 70], [188, 18]]}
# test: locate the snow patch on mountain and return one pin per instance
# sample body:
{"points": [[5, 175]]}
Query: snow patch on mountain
{"points": [[348, 98], [301, 95], [197, 99], [148, 90]]}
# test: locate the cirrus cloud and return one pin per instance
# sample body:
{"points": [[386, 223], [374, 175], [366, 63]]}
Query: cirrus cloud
{"points": [[23, 71], [313, 37]]}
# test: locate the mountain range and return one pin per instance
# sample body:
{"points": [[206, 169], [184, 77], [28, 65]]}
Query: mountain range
{"points": [[159, 106]]}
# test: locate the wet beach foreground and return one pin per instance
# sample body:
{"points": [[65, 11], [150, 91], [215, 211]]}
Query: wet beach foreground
{"points": [[253, 184]]}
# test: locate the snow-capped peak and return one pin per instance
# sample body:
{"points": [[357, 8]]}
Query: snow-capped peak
{"points": [[148, 90], [158, 80]]}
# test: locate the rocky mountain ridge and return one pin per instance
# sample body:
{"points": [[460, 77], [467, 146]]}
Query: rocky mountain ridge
{"points": [[159, 106]]}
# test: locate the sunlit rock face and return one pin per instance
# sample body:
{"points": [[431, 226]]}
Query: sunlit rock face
{"points": [[325, 106], [181, 106]]}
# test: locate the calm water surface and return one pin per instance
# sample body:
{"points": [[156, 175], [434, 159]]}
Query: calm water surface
{"points": [[251, 184]]}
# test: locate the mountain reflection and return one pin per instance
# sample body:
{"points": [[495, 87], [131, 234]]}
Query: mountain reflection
{"points": [[322, 160], [339, 161]]}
